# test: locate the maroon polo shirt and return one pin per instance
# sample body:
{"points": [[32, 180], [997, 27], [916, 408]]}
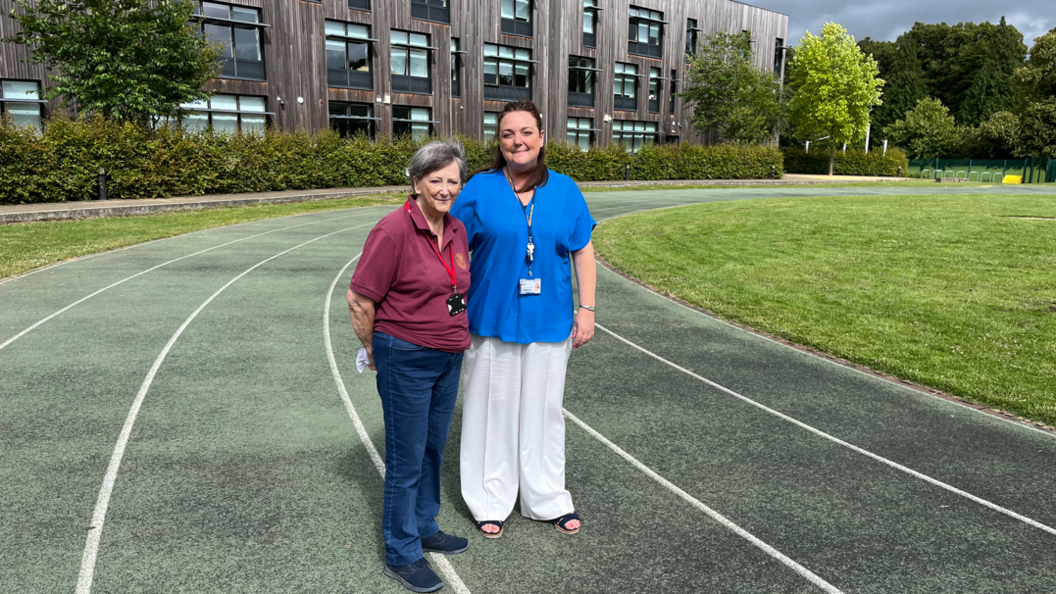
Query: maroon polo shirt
{"points": [[403, 275]]}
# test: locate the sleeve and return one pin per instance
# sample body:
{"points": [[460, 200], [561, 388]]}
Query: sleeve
{"points": [[378, 266], [582, 222]]}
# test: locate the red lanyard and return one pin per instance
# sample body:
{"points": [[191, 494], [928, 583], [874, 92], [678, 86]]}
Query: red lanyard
{"points": [[451, 250]]}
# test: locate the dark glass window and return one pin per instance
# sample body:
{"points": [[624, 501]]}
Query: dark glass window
{"points": [[580, 132], [634, 135], [415, 121], [590, 23], [456, 69], [626, 87], [243, 54], [227, 114], [674, 91], [507, 73], [436, 11], [359, 4], [517, 17], [691, 36], [20, 100], [779, 55], [411, 63], [655, 87], [348, 55], [581, 77], [350, 119], [646, 33]]}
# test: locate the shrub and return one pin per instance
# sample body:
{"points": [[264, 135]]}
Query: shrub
{"points": [[853, 162]]}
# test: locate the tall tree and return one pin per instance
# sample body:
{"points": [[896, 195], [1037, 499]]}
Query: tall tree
{"points": [[927, 132], [729, 93], [904, 84], [1037, 78], [836, 86], [125, 59]]}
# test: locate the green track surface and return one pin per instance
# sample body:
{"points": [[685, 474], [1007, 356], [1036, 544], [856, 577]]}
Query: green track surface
{"points": [[244, 473]]}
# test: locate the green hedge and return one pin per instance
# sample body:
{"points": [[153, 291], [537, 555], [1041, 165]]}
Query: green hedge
{"points": [[853, 162], [61, 165]]}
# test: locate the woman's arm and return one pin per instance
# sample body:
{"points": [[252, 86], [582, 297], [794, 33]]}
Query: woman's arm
{"points": [[362, 310], [586, 281]]}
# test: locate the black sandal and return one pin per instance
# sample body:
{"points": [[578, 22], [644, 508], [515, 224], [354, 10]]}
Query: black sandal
{"points": [[481, 525], [563, 521]]}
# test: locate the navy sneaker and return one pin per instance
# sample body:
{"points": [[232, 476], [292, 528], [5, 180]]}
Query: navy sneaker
{"points": [[416, 577], [445, 544]]}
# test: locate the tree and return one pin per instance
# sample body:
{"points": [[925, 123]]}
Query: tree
{"points": [[1037, 78], [927, 132], [903, 76], [123, 59], [730, 94], [1037, 133], [836, 86], [996, 138]]}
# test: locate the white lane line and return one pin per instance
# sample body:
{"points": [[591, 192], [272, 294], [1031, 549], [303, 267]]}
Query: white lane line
{"points": [[91, 547], [839, 441], [450, 576], [769, 550], [843, 366], [106, 288]]}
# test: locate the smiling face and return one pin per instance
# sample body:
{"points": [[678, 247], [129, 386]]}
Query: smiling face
{"points": [[438, 189], [520, 139]]}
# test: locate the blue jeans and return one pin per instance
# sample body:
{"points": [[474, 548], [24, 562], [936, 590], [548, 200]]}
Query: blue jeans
{"points": [[418, 388]]}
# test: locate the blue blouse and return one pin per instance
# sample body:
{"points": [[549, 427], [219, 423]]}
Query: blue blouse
{"points": [[498, 237]]}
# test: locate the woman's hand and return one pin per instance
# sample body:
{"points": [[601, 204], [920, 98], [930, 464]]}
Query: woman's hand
{"points": [[582, 328], [362, 308]]}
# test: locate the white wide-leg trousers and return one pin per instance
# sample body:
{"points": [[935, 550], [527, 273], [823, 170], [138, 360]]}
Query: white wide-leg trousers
{"points": [[513, 432]]}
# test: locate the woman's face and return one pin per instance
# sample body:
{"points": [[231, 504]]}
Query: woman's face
{"points": [[520, 140], [438, 189]]}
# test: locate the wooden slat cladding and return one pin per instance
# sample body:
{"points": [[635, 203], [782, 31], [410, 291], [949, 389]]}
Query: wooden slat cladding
{"points": [[295, 55]]}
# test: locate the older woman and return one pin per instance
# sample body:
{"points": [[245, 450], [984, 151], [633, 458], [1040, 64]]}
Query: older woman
{"points": [[524, 224], [408, 306]]}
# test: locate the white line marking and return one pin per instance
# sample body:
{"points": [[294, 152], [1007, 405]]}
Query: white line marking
{"points": [[776, 554], [839, 441], [450, 576], [91, 547], [83, 299]]}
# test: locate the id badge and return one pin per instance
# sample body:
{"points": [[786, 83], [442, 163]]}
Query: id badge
{"points": [[531, 286], [456, 304]]}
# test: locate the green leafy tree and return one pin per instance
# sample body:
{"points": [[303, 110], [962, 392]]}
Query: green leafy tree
{"points": [[134, 60], [1037, 135], [904, 84], [730, 94], [927, 132], [836, 86], [996, 138], [1037, 78]]}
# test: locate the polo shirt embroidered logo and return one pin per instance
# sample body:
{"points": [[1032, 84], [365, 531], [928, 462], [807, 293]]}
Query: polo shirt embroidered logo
{"points": [[461, 261]]}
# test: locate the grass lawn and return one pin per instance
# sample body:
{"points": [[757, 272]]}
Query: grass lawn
{"points": [[25, 246], [912, 183], [951, 292]]}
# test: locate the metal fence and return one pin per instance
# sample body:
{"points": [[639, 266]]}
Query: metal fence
{"points": [[1026, 171]]}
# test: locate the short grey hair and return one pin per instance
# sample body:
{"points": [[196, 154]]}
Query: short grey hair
{"points": [[437, 155]]}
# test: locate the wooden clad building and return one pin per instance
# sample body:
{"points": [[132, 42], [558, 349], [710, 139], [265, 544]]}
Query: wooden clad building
{"points": [[600, 70]]}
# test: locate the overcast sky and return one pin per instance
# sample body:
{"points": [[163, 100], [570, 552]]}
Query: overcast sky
{"points": [[886, 20]]}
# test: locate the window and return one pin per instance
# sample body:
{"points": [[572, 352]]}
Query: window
{"points": [[580, 132], [348, 55], [350, 119], [410, 63], [779, 55], [431, 10], [626, 87], [491, 126], [238, 28], [359, 4], [655, 86], [412, 120], [633, 135], [581, 77], [20, 100], [590, 23], [507, 73], [227, 114], [674, 91], [646, 33], [691, 36], [517, 17], [456, 68]]}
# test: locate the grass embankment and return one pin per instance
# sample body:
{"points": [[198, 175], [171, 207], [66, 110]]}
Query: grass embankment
{"points": [[951, 292], [25, 246]]}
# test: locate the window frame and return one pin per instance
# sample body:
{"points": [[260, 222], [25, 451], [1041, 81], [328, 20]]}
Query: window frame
{"points": [[491, 134], [779, 56], [369, 121], [588, 78], [635, 45], [347, 40], [7, 102], [578, 132], [232, 24], [674, 90], [359, 5], [514, 24], [408, 83], [193, 110], [619, 82], [433, 11], [590, 11], [410, 121], [618, 134], [456, 67], [656, 88], [508, 92]]}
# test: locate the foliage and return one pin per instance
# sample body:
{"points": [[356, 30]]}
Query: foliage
{"points": [[1038, 129], [1037, 78], [854, 162], [728, 93], [927, 132], [996, 138], [126, 59], [836, 86], [61, 164]]}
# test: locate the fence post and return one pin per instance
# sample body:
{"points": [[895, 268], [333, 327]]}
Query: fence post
{"points": [[1004, 168], [969, 170]]}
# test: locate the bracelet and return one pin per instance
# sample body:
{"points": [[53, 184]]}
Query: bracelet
{"points": [[587, 307]]}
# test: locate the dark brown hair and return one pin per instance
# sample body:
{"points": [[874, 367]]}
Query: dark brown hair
{"points": [[536, 178]]}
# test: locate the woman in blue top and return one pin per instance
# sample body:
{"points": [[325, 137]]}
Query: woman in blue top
{"points": [[524, 224]]}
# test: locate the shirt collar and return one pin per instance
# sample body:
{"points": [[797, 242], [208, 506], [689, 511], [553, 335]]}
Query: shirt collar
{"points": [[419, 221]]}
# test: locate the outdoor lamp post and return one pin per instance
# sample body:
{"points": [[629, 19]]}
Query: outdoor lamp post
{"points": [[102, 183]]}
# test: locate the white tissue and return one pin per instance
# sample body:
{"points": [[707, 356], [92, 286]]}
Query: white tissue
{"points": [[362, 361]]}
